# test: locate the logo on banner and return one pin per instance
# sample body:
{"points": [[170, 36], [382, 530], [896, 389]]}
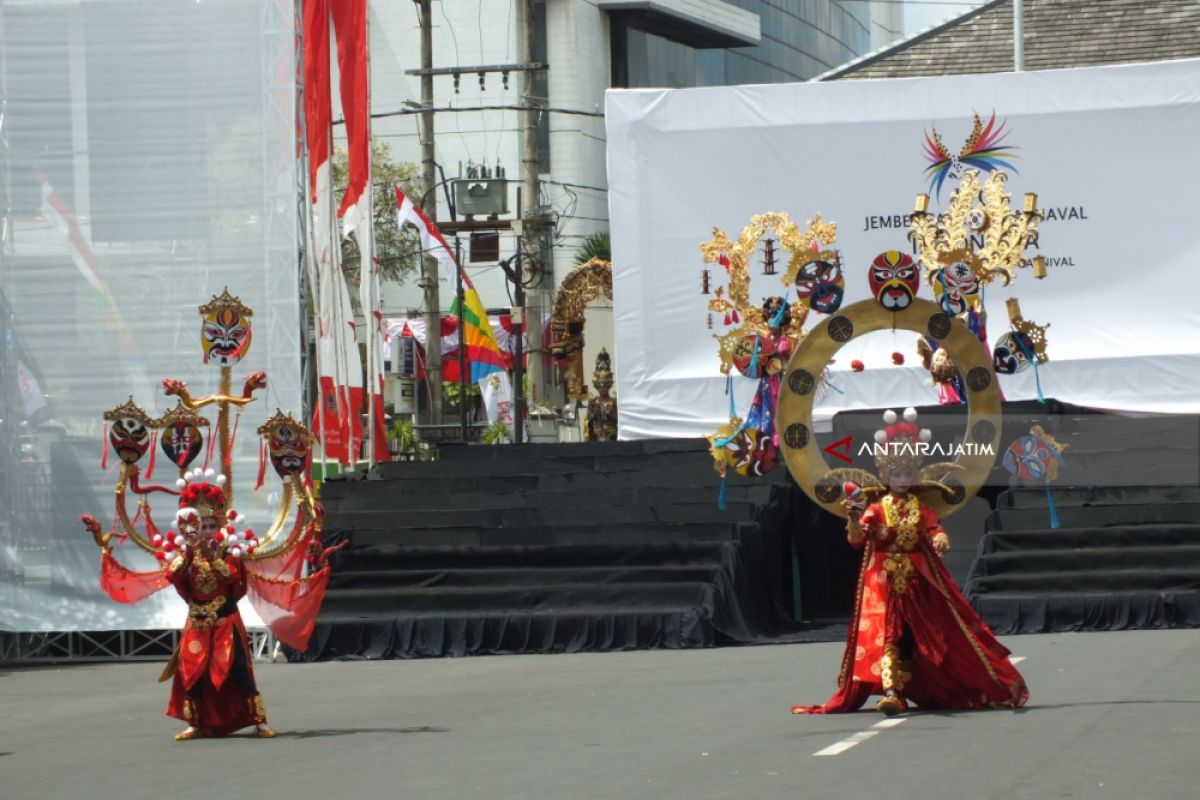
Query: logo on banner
{"points": [[984, 149]]}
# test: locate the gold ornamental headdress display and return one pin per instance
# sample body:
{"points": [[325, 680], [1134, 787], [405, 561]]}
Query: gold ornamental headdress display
{"points": [[225, 337], [978, 239], [802, 249]]}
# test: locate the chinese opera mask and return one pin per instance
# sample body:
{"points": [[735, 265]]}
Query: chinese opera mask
{"points": [[956, 284], [225, 332], [289, 444], [181, 438], [756, 356], [1012, 353], [130, 438], [181, 443], [894, 280], [822, 284], [1035, 456]]}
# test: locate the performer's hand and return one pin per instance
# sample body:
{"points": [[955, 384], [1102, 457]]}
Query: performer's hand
{"points": [[941, 543], [853, 512]]}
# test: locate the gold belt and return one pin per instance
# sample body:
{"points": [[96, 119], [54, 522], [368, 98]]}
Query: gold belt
{"points": [[205, 615]]}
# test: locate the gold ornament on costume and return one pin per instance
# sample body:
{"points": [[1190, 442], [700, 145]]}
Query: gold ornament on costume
{"points": [[225, 332], [1035, 332], [979, 220], [733, 300]]}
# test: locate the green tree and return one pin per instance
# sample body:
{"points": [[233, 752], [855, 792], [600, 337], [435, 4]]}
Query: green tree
{"points": [[596, 245], [397, 251]]}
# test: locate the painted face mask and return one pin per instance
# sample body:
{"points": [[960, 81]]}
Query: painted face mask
{"points": [[225, 336], [822, 284], [130, 439], [954, 284], [1009, 355], [756, 356], [289, 450], [181, 442], [894, 280], [1031, 457]]}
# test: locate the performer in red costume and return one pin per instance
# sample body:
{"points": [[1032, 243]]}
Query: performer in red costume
{"points": [[913, 637], [213, 688]]}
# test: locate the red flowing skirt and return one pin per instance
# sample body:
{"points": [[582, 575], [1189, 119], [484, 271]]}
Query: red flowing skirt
{"points": [[957, 662], [213, 687]]}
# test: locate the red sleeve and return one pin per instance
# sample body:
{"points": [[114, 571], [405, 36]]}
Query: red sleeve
{"points": [[237, 577], [930, 524]]}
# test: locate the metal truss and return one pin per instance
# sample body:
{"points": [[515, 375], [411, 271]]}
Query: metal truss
{"points": [[56, 647]]}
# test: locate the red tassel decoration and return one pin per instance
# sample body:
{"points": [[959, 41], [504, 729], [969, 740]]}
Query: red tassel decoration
{"points": [[736, 318], [726, 317], [225, 468], [104, 447], [262, 464], [212, 440], [153, 453]]}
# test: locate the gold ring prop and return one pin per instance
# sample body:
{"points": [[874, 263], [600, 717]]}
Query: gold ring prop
{"points": [[805, 458]]}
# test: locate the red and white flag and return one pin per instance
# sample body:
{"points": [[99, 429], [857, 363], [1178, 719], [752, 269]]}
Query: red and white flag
{"points": [[350, 26], [31, 393], [336, 417], [432, 242]]}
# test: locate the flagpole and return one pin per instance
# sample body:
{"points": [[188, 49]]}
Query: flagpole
{"points": [[462, 340], [372, 322]]}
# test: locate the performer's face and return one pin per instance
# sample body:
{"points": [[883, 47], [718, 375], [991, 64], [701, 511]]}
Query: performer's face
{"points": [[208, 527], [900, 479]]}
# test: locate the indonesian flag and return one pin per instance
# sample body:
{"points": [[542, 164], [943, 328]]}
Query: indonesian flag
{"points": [[336, 418], [432, 242], [350, 25]]}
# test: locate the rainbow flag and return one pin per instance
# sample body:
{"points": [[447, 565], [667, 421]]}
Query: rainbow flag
{"points": [[482, 351]]}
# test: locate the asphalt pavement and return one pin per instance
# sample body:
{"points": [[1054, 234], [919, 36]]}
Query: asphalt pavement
{"points": [[1112, 715]]}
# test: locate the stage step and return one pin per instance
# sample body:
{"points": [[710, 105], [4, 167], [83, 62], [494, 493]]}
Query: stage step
{"points": [[445, 633], [400, 557], [1094, 516], [569, 547], [1035, 497], [1057, 612], [1124, 557]]}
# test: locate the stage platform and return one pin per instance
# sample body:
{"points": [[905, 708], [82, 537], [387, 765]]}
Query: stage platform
{"points": [[617, 546]]}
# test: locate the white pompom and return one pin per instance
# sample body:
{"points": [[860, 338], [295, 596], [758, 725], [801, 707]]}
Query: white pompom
{"points": [[210, 472], [926, 434], [189, 475], [156, 540], [889, 417], [910, 414], [880, 437], [180, 483], [236, 552], [221, 480]]}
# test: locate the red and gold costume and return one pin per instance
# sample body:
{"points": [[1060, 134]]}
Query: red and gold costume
{"points": [[213, 687], [913, 637], [206, 554]]}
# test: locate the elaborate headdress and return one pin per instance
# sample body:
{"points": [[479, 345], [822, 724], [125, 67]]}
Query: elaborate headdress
{"points": [[901, 442]]}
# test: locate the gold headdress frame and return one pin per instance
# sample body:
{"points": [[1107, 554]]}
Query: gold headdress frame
{"points": [[796, 243], [805, 456], [226, 300], [979, 220], [1035, 332], [130, 410]]}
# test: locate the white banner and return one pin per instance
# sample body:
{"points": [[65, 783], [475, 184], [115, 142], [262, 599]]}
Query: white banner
{"points": [[1107, 150]]}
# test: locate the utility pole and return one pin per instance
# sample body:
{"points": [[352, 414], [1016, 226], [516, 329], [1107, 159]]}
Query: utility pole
{"points": [[429, 265], [533, 226]]}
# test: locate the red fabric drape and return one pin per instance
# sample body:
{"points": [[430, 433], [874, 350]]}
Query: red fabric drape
{"points": [[126, 586], [289, 607]]}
